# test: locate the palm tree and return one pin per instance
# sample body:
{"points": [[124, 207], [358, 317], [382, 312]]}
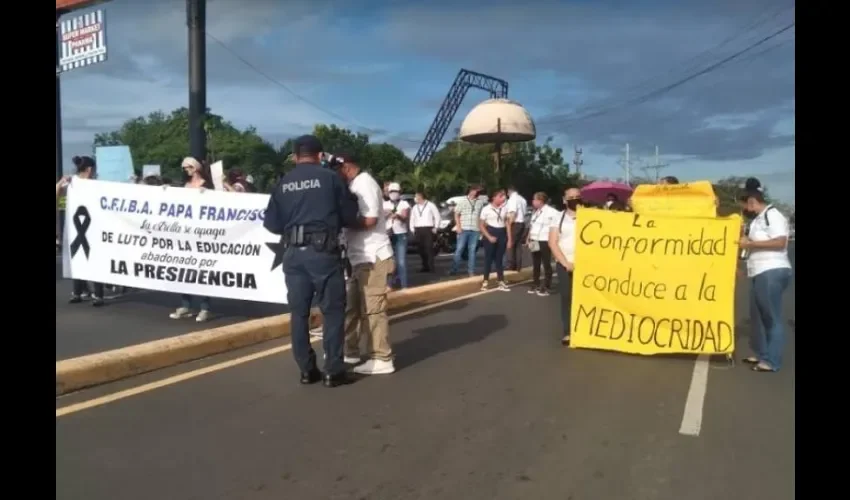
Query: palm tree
{"points": [[435, 184]]}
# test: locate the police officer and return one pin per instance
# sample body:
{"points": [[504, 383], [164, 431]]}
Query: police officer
{"points": [[308, 209]]}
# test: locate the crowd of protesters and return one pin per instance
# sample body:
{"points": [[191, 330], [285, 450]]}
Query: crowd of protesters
{"points": [[499, 222]]}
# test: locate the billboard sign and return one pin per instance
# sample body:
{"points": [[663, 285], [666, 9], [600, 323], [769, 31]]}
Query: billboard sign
{"points": [[83, 40]]}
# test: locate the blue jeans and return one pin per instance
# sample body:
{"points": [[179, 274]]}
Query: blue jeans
{"points": [[186, 302], [399, 242], [767, 332], [466, 239]]}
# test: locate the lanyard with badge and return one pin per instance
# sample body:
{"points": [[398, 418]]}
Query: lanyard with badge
{"points": [[535, 217], [498, 214], [534, 245]]}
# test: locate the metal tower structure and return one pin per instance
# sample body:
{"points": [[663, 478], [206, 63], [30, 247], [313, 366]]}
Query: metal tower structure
{"points": [[463, 82]]}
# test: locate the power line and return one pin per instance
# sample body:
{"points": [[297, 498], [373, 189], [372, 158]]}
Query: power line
{"points": [[657, 166], [679, 83], [600, 112], [292, 92], [688, 64]]}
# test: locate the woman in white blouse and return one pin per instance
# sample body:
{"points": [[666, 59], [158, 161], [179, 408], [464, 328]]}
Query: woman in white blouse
{"points": [[537, 242], [770, 273], [497, 238]]}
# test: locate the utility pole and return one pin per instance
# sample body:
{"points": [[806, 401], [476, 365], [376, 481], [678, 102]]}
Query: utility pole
{"points": [[577, 161], [59, 169], [196, 19], [626, 164], [658, 166]]}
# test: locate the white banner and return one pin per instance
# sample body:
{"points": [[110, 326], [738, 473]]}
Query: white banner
{"points": [[206, 243]]}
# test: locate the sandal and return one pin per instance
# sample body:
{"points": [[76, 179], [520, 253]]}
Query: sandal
{"points": [[752, 360], [763, 368]]}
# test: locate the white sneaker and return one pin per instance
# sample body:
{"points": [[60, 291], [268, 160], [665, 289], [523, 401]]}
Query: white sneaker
{"points": [[532, 291], [375, 367], [503, 287], [180, 313], [346, 359], [485, 286], [203, 316], [317, 332]]}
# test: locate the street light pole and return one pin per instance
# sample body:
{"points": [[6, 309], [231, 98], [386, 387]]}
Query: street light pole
{"points": [[196, 14], [59, 169]]}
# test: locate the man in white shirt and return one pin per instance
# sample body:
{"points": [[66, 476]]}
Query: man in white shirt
{"points": [[562, 243], [425, 220], [769, 270], [517, 207], [397, 212], [371, 256]]}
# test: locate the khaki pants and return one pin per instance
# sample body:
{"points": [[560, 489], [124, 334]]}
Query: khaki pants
{"points": [[366, 310]]}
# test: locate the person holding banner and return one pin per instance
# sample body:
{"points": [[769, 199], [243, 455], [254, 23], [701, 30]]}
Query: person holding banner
{"points": [[562, 243], [769, 270], [197, 176], [308, 209], [86, 169]]}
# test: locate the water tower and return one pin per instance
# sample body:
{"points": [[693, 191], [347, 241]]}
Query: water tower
{"points": [[498, 121]]}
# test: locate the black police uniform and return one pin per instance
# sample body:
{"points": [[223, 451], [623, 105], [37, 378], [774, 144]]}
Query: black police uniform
{"points": [[308, 208]]}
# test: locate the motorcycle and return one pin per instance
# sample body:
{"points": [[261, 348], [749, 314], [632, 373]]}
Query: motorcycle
{"points": [[445, 241]]}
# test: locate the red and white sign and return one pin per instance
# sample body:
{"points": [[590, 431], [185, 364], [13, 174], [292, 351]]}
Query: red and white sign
{"points": [[83, 40]]}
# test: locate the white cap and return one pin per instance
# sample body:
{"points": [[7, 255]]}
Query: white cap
{"points": [[249, 179], [394, 186]]}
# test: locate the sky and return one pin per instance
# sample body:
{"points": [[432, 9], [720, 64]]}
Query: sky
{"points": [[594, 74]]}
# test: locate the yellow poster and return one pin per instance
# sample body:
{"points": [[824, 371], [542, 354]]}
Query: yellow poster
{"points": [[695, 199], [654, 285]]}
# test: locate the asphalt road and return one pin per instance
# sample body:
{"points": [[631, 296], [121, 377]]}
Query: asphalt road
{"points": [[485, 405], [143, 316]]}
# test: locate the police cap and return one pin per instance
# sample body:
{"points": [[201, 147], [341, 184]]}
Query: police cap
{"points": [[306, 145]]}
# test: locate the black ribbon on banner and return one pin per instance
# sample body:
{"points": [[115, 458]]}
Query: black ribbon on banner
{"points": [[278, 250], [82, 221]]}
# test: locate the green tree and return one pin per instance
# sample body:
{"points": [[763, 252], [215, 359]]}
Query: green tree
{"points": [[163, 139], [383, 160]]}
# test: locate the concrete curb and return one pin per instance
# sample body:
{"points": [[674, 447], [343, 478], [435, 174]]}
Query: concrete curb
{"points": [[95, 369]]}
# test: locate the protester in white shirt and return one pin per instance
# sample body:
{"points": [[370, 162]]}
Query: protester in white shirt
{"points": [[397, 212], [424, 221], [86, 169], [495, 227], [769, 270], [517, 206], [371, 256], [562, 243], [538, 243]]}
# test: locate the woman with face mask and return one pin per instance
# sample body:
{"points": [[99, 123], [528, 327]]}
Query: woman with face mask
{"points": [[770, 273], [197, 176], [562, 243], [397, 212], [493, 225]]}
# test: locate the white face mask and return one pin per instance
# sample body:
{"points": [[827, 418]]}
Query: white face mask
{"points": [[394, 196]]}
